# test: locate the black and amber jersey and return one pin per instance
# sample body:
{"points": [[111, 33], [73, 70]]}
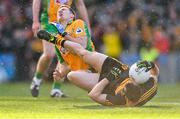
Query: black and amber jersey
{"points": [[146, 92], [122, 90]]}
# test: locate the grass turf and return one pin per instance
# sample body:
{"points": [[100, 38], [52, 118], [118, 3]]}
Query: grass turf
{"points": [[17, 103]]}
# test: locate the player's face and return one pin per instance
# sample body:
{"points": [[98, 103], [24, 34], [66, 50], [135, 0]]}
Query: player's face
{"points": [[64, 14]]}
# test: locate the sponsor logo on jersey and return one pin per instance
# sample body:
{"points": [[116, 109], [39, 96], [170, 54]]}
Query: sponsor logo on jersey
{"points": [[61, 1], [79, 30]]}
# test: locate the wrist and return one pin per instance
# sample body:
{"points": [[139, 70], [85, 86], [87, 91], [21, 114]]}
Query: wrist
{"points": [[64, 34], [62, 43], [35, 20]]}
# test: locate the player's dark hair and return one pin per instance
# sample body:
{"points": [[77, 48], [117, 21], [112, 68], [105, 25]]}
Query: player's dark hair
{"points": [[73, 12], [133, 92]]}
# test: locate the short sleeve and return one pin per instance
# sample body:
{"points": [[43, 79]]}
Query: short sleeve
{"points": [[79, 28]]}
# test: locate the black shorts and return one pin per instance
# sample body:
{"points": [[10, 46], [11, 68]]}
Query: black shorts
{"points": [[111, 63], [107, 67]]}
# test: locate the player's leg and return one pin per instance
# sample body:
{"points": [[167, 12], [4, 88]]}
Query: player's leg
{"points": [[42, 65], [59, 74], [45, 59], [83, 79], [94, 59]]}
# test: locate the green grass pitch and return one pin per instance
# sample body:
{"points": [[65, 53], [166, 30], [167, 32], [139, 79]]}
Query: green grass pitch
{"points": [[17, 103]]}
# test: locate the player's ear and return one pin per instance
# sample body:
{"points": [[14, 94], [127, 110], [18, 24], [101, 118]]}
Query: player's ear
{"points": [[73, 16]]}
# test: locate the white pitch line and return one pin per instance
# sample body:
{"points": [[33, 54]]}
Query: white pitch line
{"points": [[169, 103]]}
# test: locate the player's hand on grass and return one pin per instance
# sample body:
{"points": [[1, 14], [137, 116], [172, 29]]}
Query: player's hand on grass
{"points": [[57, 75]]}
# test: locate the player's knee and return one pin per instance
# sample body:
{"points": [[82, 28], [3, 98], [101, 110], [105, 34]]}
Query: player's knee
{"points": [[81, 52], [71, 76], [84, 54]]}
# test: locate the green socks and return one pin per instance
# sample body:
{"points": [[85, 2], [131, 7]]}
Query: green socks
{"points": [[56, 85], [38, 75]]}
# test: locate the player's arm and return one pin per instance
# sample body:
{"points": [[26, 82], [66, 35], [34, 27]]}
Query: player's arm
{"points": [[35, 10], [82, 11], [106, 99], [96, 93]]}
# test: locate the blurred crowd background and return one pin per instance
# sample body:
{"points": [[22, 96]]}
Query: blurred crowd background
{"points": [[128, 30]]}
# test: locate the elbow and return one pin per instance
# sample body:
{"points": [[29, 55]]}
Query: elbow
{"points": [[93, 96], [71, 76]]}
